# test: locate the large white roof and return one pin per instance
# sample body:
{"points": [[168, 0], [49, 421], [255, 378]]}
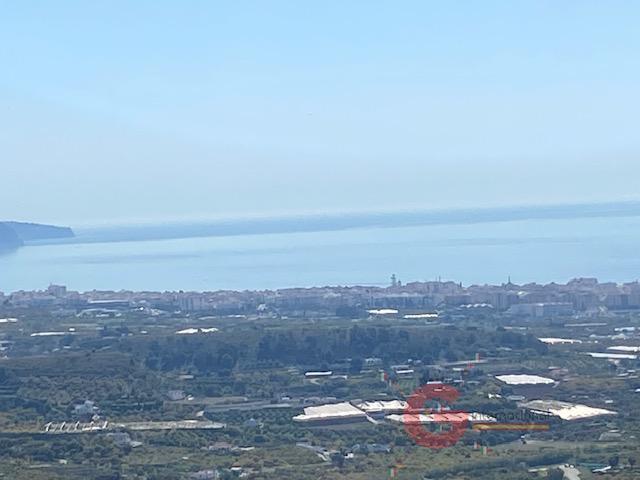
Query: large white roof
{"points": [[613, 356], [383, 406], [48, 334], [328, 412], [624, 348], [443, 417], [420, 315], [524, 379], [554, 341], [319, 374], [564, 410], [192, 331]]}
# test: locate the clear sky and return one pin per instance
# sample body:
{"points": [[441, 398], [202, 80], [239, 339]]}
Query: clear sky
{"points": [[118, 110]]}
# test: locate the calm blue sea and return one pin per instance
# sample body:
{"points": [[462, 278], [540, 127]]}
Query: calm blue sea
{"points": [[527, 250]]}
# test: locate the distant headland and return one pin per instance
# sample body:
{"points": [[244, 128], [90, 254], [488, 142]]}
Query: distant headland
{"points": [[16, 234]]}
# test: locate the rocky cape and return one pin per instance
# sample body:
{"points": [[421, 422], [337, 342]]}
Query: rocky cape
{"points": [[16, 234]]}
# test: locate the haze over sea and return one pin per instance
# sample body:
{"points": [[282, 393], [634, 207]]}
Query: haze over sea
{"points": [[540, 244]]}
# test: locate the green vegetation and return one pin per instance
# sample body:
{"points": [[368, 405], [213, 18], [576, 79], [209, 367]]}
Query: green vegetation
{"points": [[249, 375]]}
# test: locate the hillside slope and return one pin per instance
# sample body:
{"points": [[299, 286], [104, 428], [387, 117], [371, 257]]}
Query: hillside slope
{"points": [[37, 231], [15, 234], [9, 239]]}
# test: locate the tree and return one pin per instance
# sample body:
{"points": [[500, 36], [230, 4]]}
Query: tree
{"points": [[5, 376], [226, 362], [356, 364]]}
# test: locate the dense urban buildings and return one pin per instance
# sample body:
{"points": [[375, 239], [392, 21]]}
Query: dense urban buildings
{"points": [[582, 295]]}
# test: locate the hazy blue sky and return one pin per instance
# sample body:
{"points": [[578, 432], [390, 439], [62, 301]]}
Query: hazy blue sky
{"points": [[151, 109]]}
